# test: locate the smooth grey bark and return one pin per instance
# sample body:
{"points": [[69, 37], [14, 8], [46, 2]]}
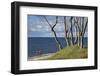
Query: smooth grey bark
{"points": [[66, 32], [71, 30], [53, 31], [75, 24], [82, 29], [81, 35], [78, 25]]}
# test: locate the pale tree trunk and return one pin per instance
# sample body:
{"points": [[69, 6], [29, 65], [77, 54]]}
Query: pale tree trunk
{"points": [[77, 30], [81, 41], [82, 28], [66, 32], [53, 31], [76, 38], [56, 39], [71, 30]]}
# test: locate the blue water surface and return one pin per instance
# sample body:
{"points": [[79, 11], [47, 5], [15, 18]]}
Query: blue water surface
{"points": [[43, 45]]}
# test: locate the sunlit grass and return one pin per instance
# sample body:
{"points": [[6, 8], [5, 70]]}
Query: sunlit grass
{"points": [[71, 52]]}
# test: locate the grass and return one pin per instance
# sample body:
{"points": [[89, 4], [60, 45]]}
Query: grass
{"points": [[71, 52]]}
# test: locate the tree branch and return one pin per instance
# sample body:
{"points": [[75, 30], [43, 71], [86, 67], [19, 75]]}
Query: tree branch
{"points": [[85, 27], [55, 22], [76, 21], [53, 31], [47, 21]]}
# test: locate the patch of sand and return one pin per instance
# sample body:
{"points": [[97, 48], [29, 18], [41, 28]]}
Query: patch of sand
{"points": [[40, 57]]}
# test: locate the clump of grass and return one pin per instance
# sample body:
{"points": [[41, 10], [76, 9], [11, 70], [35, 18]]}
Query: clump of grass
{"points": [[71, 52]]}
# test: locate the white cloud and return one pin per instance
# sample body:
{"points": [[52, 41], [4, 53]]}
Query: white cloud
{"points": [[59, 28], [33, 29], [39, 26], [47, 29]]}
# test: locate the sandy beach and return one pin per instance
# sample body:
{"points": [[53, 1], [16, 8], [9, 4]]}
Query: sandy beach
{"points": [[40, 57]]}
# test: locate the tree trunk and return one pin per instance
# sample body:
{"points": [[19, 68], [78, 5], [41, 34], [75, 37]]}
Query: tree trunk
{"points": [[82, 28], [56, 39], [54, 33], [83, 31], [81, 40], [77, 32], [66, 32], [71, 31], [78, 39]]}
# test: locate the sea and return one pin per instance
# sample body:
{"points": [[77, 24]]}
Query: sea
{"points": [[44, 45]]}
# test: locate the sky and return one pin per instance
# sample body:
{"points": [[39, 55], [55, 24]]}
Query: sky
{"points": [[38, 27]]}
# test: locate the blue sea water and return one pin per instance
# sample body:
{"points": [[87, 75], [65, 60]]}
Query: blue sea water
{"points": [[43, 45]]}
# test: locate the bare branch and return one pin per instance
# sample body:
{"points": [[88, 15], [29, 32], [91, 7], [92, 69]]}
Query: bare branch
{"points": [[76, 21], [85, 27], [55, 22], [53, 31], [47, 21]]}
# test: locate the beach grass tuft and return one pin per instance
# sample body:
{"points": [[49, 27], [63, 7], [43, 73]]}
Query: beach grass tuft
{"points": [[71, 52]]}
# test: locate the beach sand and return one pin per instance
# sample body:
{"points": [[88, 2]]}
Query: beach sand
{"points": [[40, 57]]}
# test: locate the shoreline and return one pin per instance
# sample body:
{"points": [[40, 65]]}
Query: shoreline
{"points": [[40, 57]]}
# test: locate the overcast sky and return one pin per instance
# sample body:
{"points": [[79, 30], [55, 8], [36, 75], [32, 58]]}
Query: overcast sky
{"points": [[38, 27]]}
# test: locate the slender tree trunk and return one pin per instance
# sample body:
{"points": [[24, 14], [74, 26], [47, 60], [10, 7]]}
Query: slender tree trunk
{"points": [[56, 39], [66, 32], [83, 31], [80, 32], [77, 28], [81, 41], [71, 31], [82, 28], [76, 38], [54, 33]]}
